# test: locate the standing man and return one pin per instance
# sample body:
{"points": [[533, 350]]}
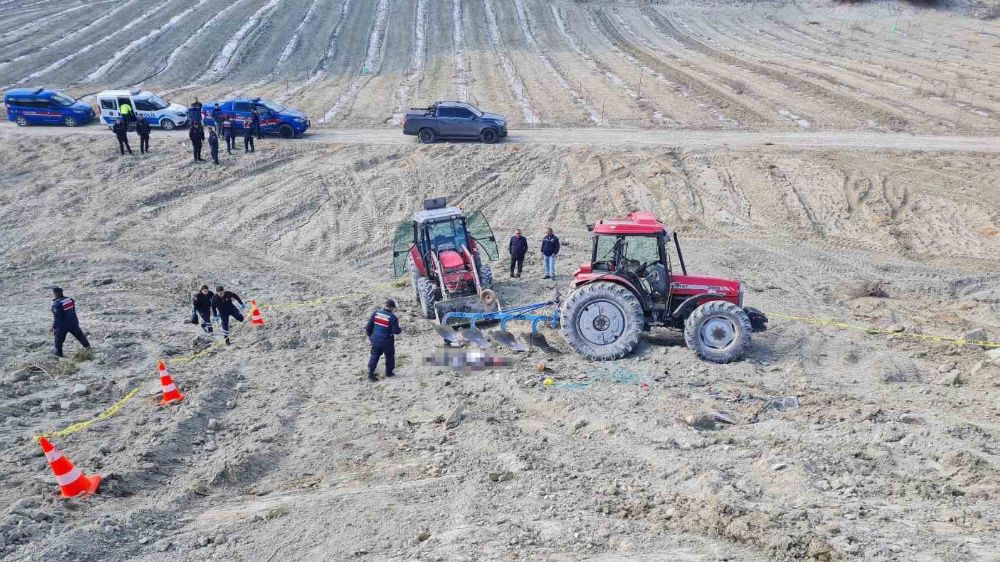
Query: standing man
{"points": [[120, 129], [223, 305], [201, 304], [142, 127], [125, 112], [213, 145], [230, 133], [518, 248], [217, 117], [255, 121], [64, 321], [550, 248], [381, 329], [194, 111], [247, 136], [197, 136]]}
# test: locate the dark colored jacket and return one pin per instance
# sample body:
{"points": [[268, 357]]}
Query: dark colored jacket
{"points": [[223, 302], [247, 129], [194, 112], [518, 246], [550, 245], [196, 134], [255, 118], [204, 303], [121, 130], [64, 313], [382, 326], [217, 116], [227, 128], [142, 127], [213, 140]]}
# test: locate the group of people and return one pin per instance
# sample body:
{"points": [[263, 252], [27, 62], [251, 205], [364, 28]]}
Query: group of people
{"points": [[224, 126], [219, 305], [518, 248]]}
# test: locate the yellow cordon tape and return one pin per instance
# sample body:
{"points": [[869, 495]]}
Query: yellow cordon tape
{"points": [[100, 417], [880, 331]]}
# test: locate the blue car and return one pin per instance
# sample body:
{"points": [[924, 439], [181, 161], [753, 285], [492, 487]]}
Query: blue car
{"points": [[273, 117], [41, 106]]}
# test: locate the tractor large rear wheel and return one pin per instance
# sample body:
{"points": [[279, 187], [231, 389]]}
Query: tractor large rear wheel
{"points": [[602, 321], [718, 331]]}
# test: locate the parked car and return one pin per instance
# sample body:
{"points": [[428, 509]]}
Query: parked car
{"points": [[42, 106], [454, 120], [157, 111], [274, 118]]}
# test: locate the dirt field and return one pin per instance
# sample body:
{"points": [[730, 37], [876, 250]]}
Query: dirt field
{"points": [[839, 169]]}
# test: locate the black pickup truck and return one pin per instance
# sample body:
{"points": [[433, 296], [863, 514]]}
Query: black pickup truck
{"points": [[454, 120]]}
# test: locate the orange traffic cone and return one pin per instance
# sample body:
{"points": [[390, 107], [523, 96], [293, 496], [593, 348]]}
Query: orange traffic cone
{"points": [[170, 392], [255, 318], [72, 482]]}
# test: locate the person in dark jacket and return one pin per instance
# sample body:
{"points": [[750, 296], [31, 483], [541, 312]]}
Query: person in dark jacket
{"points": [[247, 136], [213, 144], [142, 127], [518, 248], [550, 248], [255, 122], [229, 131], [223, 305], [197, 136], [217, 117], [202, 304], [65, 321], [120, 129], [381, 329], [194, 111]]}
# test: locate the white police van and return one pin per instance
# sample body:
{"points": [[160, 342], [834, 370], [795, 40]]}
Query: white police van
{"points": [[147, 105]]}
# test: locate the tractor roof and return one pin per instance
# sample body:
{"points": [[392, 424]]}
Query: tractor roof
{"points": [[440, 214], [637, 222]]}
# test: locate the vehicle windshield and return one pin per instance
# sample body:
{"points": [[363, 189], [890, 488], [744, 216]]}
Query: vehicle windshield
{"points": [[641, 250], [157, 102], [62, 99], [447, 234], [605, 248], [270, 106], [471, 108]]}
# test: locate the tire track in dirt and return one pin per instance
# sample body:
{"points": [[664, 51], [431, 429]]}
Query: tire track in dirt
{"points": [[458, 45], [417, 61], [70, 36], [524, 21], [230, 48], [734, 109], [61, 62], [139, 43], [323, 66], [373, 60], [513, 80], [39, 21]]}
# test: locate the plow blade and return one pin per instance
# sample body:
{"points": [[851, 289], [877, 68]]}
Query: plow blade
{"points": [[476, 337], [506, 339], [471, 304], [536, 339], [449, 334]]}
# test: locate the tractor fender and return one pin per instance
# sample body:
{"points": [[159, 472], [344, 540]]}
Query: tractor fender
{"points": [[606, 278], [689, 304]]}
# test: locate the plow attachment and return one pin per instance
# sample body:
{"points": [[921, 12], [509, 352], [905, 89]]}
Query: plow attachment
{"points": [[502, 336], [454, 311]]}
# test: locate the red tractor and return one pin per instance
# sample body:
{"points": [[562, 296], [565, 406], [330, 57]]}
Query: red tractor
{"points": [[441, 248], [629, 287]]}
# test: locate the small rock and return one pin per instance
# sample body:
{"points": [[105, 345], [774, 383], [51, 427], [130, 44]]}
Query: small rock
{"points": [[897, 329], [911, 419], [438, 419], [210, 446], [162, 545], [994, 354], [701, 421], [220, 538], [203, 541], [214, 424], [104, 448], [779, 466], [230, 404], [540, 367], [580, 424], [952, 378], [455, 419], [423, 535], [80, 389], [68, 405], [501, 476], [978, 334]]}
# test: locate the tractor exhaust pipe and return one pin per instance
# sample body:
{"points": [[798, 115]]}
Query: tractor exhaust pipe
{"points": [[680, 256]]}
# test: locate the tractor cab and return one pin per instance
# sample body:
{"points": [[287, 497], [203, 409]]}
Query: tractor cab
{"points": [[441, 248]]}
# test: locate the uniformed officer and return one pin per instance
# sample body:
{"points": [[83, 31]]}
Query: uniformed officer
{"points": [[64, 321], [222, 304], [381, 329], [229, 131], [120, 129], [213, 144], [255, 122], [247, 136], [142, 127], [197, 136]]}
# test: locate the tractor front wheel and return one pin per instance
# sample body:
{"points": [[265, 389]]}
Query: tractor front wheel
{"points": [[718, 331], [486, 277], [602, 321], [425, 295]]}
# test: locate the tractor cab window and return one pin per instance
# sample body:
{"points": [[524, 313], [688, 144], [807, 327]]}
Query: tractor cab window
{"points": [[641, 251], [604, 253], [447, 235]]}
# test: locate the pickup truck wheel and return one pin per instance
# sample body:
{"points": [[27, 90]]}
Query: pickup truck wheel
{"points": [[21, 121], [489, 136], [286, 131], [427, 136], [167, 125]]}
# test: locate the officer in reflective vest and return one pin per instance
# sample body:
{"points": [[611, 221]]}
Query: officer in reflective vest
{"points": [[381, 329]]}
